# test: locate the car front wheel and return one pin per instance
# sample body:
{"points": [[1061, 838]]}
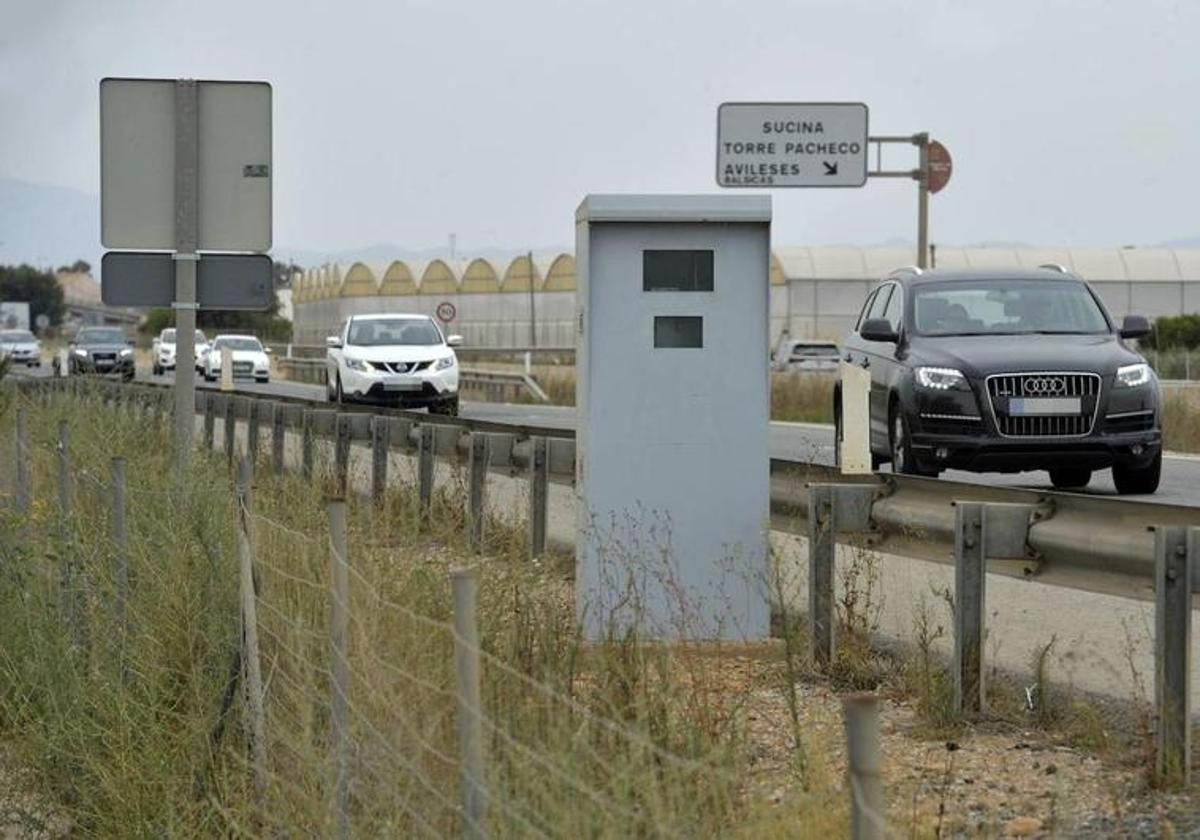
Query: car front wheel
{"points": [[903, 461], [1138, 479]]}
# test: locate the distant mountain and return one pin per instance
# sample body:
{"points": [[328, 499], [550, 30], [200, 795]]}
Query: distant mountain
{"points": [[48, 226]]}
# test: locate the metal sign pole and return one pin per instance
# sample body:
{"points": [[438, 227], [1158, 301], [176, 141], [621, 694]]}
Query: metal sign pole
{"points": [[922, 143], [186, 237]]}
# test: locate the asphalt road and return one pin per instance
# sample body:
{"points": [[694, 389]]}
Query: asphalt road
{"points": [[794, 441]]}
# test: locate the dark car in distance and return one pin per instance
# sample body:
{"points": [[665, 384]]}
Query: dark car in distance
{"points": [[101, 350], [1005, 371]]}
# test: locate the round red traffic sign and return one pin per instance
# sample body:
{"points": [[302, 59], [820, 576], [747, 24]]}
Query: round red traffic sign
{"points": [[446, 312], [940, 166]]}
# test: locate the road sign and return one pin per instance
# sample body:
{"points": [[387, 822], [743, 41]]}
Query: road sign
{"points": [[42, 321], [792, 144], [940, 166], [446, 311], [223, 281], [138, 167], [14, 315]]}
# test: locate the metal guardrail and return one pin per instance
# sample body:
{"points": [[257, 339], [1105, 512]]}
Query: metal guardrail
{"points": [[538, 355], [493, 383], [1086, 542]]}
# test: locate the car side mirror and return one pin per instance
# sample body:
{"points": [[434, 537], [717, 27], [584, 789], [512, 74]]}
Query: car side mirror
{"points": [[131, 342], [879, 329], [70, 345], [268, 350], [454, 341], [333, 341], [1135, 326]]}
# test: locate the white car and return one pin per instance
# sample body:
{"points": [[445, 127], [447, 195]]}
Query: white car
{"points": [[394, 359], [163, 352], [20, 347], [250, 358]]}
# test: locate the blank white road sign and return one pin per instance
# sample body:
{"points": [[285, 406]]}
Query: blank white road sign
{"points": [[856, 420], [137, 165], [792, 144]]}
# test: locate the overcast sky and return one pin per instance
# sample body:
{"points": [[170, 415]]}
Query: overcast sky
{"points": [[1069, 122]]}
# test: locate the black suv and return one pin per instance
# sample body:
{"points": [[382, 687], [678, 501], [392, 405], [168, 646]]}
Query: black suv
{"points": [[1005, 371]]}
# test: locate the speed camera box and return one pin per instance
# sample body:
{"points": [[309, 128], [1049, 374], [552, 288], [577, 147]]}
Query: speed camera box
{"points": [[673, 466]]}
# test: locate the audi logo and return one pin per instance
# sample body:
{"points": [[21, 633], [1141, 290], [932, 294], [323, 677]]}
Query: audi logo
{"points": [[1044, 386]]}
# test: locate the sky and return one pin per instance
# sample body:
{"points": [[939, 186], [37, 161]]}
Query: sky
{"points": [[402, 122]]}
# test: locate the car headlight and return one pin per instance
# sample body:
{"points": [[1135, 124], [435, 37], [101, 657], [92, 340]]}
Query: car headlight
{"points": [[82, 353], [126, 352], [1130, 376], [358, 365], [940, 379], [442, 364]]}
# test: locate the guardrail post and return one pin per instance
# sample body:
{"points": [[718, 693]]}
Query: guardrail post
{"points": [[256, 724], [864, 767], [470, 719], [425, 452], [1175, 551], [120, 537], [821, 547], [477, 478], [278, 437], [380, 444], [341, 452], [252, 424], [21, 447], [306, 443], [539, 495], [209, 421], [969, 582], [340, 688], [230, 427]]}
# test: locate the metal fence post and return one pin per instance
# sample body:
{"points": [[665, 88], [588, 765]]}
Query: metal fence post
{"points": [[278, 438], [539, 495], [306, 443], [209, 421], [230, 427], [338, 635], [252, 424], [476, 496], [470, 720], [120, 537], [1175, 551], [822, 544], [341, 452], [969, 584], [864, 767], [425, 447], [21, 446], [67, 561], [380, 443], [251, 664]]}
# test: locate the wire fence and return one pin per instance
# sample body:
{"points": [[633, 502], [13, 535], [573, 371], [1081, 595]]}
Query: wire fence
{"points": [[244, 656]]}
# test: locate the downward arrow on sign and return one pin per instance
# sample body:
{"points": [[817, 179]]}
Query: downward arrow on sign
{"points": [[830, 168]]}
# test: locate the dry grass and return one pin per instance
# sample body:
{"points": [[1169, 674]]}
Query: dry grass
{"points": [[138, 728], [1181, 418]]}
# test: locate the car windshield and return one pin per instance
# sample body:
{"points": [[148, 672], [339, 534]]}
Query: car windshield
{"points": [[168, 337], [238, 343], [1006, 307], [100, 337], [376, 332], [16, 337]]}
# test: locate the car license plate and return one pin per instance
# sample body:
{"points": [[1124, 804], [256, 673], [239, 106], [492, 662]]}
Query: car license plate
{"points": [[401, 383], [1041, 406]]}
